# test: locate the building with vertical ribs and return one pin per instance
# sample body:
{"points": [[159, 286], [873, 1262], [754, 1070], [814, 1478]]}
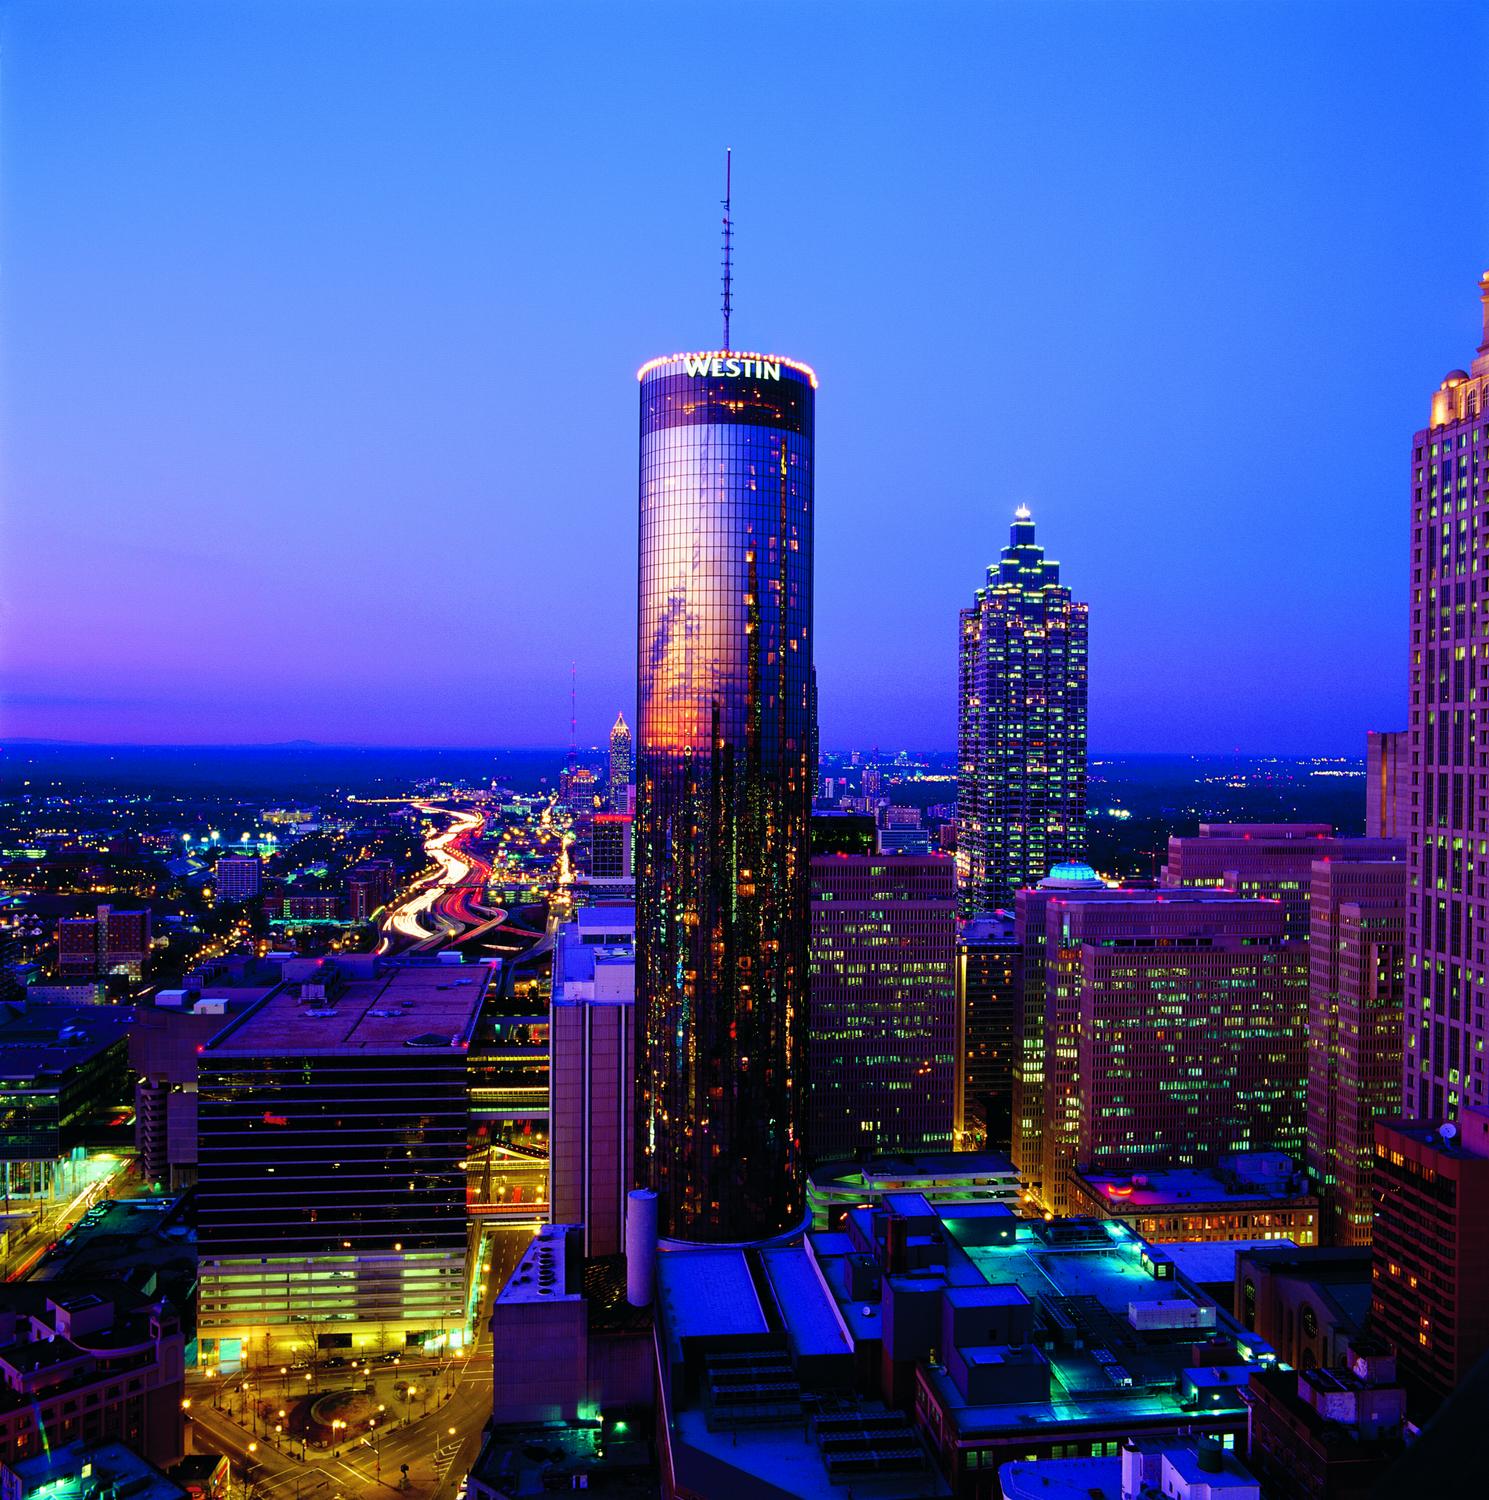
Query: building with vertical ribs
{"points": [[883, 1050], [1446, 975], [1356, 977], [1021, 783]]}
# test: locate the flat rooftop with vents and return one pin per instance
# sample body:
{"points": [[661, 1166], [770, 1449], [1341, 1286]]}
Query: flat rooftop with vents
{"points": [[336, 1009]]}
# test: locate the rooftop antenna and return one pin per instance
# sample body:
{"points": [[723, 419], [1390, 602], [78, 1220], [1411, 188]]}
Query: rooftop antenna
{"points": [[728, 243], [573, 721]]}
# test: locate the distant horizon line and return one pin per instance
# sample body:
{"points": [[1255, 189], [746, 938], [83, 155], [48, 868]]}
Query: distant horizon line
{"points": [[560, 750]]}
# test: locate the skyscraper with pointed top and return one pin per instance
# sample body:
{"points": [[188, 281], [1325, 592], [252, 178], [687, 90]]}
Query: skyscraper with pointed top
{"points": [[620, 760], [1021, 784]]}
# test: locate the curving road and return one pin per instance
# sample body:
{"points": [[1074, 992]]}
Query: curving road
{"points": [[451, 901]]}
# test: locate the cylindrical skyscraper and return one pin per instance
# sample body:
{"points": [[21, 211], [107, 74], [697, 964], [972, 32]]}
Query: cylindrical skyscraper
{"points": [[724, 787]]}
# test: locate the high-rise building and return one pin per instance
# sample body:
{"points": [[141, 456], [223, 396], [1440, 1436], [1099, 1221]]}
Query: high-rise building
{"points": [[576, 788], [883, 1036], [112, 942], [725, 770], [620, 761], [369, 884], [1021, 785], [610, 856], [1175, 1031], [592, 1065], [987, 971], [1448, 903], [1026, 1146], [1356, 979], [333, 1122], [238, 877], [1273, 860], [1387, 784], [1430, 1296]]}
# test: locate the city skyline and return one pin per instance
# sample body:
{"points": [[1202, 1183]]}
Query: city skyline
{"points": [[362, 376]]}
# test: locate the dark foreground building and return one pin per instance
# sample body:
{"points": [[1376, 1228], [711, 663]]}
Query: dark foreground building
{"points": [[331, 1199], [725, 770]]}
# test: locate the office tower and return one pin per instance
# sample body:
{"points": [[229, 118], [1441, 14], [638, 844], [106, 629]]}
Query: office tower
{"points": [[620, 761], [369, 885], [112, 942], [1356, 980], [94, 1360], [66, 1072], [1026, 1145], [987, 972], [1174, 1030], [725, 771], [592, 1064], [1324, 1434], [1430, 1295], [1273, 860], [883, 1038], [1021, 785], [331, 1177], [610, 856], [1446, 971], [577, 789], [1387, 784], [237, 877], [872, 781]]}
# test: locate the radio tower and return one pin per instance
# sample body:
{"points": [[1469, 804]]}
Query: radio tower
{"points": [[728, 245], [573, 740]]}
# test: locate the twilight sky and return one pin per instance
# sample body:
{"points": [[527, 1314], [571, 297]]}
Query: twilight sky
{"points": [[321, 322]]}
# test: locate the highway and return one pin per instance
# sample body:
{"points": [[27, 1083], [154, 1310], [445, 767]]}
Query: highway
{"points": [[452, 901]]}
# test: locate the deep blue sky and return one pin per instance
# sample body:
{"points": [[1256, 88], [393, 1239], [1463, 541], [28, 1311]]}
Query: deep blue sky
{"points": [[321, 320]]}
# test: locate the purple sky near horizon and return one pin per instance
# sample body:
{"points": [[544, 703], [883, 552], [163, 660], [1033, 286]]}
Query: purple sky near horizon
{"points": [[321, 322]]}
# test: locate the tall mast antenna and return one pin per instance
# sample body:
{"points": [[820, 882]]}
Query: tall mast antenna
{"points": [[728, 243], [573, 721]]}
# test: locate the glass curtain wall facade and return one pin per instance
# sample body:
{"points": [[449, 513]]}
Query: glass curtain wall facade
{"points": [[725, 746], [1021, 787]]}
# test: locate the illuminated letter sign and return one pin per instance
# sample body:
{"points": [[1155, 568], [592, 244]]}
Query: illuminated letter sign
{"points": [[727, 367]]}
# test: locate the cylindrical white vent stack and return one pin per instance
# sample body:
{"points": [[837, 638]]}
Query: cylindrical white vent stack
{"points": [[641, 1247]]}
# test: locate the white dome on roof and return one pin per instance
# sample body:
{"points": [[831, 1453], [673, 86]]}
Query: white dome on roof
{"points": [[1071, 876]]}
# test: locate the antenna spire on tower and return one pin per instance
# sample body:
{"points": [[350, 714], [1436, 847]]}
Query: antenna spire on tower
{"points": [[728, 243], [573, 721]]}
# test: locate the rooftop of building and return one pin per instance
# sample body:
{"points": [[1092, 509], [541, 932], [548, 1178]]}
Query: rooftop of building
{"points": [[1463, 1139], [917, 1171], [1283, 1388], [1094, 1288], [44, 1039], [1101, 1478], [146, 1242], [994, 928], [549, 1270], [82, 1471], [331, 1012], [706, 1292], [1211, 1262], [528, 1461], [1229, 1182], [590, 964], [1072, 875]]}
